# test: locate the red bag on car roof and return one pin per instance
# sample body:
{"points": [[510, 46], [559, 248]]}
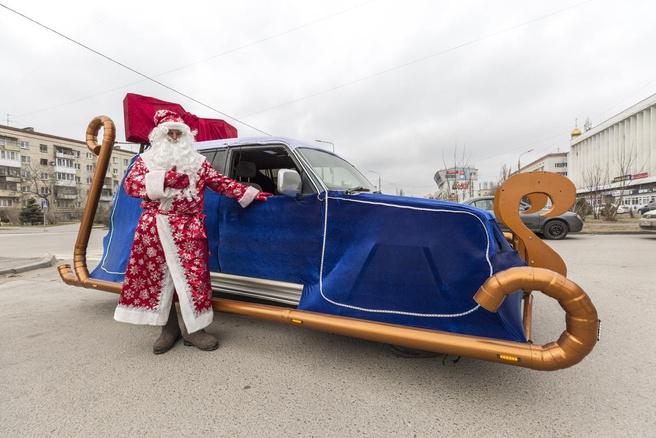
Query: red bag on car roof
{"points": [[138, 112]]}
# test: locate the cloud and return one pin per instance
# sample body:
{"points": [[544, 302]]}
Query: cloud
{"points": [[496, 97]]}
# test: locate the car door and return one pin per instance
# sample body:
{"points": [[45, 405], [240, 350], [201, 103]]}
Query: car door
{"points": [[533, 220], [279, 239]]}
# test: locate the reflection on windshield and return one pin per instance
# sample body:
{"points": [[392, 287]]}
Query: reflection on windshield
{"points": [[335, 173]]}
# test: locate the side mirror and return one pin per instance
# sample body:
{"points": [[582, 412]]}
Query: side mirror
{"points": [[289, 182]]}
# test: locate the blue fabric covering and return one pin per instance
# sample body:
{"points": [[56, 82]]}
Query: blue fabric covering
{"points": [[399, 260]]}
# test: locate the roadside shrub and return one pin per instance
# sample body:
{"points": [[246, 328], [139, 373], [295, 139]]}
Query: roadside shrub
{"points": [[31, 213], [10, 216], [582, 207]]}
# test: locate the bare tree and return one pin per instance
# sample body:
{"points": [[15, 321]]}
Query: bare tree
{"points": [[449, 187], [625, 159], [595, 178], [504, 174], [37, 183]]}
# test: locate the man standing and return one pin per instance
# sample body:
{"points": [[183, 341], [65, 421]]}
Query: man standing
{"points": [[169, 252]]}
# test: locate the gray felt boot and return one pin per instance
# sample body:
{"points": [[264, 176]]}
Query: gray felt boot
{"points": [[200, 339], [170, 333]]}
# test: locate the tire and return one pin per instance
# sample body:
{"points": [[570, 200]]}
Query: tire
{"points": [[555, 230]]}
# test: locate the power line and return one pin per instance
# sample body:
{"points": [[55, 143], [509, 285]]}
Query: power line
{"points": [[418, 60], [218, 55], [132, 69]]}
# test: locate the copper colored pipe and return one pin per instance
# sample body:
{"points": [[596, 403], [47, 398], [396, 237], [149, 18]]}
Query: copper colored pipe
{"points": [[582, 323], [104, 152]]}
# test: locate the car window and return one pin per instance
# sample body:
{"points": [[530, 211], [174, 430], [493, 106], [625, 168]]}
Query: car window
{"points": [[259, 165], [485, 204], [335, 172], [216, 157], [219, 160]]}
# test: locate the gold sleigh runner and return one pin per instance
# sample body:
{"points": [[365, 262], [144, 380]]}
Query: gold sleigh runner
{"points": [[546, 272]]}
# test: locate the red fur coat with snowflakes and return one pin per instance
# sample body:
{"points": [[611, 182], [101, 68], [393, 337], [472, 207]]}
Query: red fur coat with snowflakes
{"points": [[169, 252]]}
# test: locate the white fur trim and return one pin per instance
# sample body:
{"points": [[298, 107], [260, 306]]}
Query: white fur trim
{"points": [[155, 184], [144, 316], [176, 125], [248, 196], [192, 320]]}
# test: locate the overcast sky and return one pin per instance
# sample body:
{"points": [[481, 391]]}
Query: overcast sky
{"points": [[395, 85]]}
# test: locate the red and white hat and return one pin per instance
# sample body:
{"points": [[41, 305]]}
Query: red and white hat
{"points": [[169, 119]]}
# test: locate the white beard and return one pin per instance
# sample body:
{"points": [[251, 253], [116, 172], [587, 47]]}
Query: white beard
{"points": [[164, 154]]}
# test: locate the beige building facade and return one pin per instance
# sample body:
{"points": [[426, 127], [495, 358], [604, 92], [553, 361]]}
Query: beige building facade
{"points": [[618, 157], [55, 171], [555, 162]]}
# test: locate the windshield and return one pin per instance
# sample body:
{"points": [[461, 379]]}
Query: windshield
{"points": [[336, 173]]}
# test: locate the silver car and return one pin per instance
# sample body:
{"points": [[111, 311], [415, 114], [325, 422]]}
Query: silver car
{"points": [[550, 228], [648, 221]]}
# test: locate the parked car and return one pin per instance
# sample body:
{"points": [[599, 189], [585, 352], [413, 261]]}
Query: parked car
{"points": [[555, 228], [648, 221], [649, 207]]}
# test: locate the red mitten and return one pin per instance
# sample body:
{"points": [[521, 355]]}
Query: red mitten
{"points": [[262, 196], [176, 180]]}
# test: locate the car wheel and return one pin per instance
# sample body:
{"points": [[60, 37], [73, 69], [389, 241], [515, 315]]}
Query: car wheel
{"points": [[555, 230]]}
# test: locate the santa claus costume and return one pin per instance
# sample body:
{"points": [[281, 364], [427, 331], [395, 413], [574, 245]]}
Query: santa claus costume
{"points": [[169, 253]]}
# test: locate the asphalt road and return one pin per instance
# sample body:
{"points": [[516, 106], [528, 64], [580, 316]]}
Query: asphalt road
{"points": [[67, 369]]}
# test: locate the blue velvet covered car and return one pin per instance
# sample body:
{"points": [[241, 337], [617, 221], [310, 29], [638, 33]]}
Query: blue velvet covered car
{"points": [[328, 252]]}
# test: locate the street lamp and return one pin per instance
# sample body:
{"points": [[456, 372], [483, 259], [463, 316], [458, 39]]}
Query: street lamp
{"points": [[328, 142], [519, 166]]}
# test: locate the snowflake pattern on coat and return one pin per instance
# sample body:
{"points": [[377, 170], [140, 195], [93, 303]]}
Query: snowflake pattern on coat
{"points": [[151, 263]]}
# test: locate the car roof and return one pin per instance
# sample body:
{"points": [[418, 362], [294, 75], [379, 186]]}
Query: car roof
{"points": [[243, 141]]}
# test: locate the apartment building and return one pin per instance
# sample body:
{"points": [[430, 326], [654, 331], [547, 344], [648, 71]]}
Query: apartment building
{"points": [[55, 169]]}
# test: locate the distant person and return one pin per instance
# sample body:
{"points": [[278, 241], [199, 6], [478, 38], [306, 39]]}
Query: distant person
{"points": [[169, 252]]}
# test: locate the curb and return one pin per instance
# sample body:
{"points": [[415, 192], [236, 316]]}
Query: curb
{"points": [[47, 261]]}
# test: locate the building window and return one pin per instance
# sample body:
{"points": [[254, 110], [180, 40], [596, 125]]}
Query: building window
{"points": [[89, 156], [43, 161], [43, 190], [9, 155], [24, 144], [43, 148], [25, 159], [77, 179], [115, 171], [560, 164], [77, 166], [44, 175], [114, 160], [90, 167], [6, 203], [125, 161], [88, 180]]}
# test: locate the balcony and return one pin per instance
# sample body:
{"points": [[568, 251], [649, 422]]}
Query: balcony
{"points": [[67, 155], [63, 169], [65, 183], [106, 198], [16, 179], [66, 196], [9, 193], [10, 163], [10, 146]]}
